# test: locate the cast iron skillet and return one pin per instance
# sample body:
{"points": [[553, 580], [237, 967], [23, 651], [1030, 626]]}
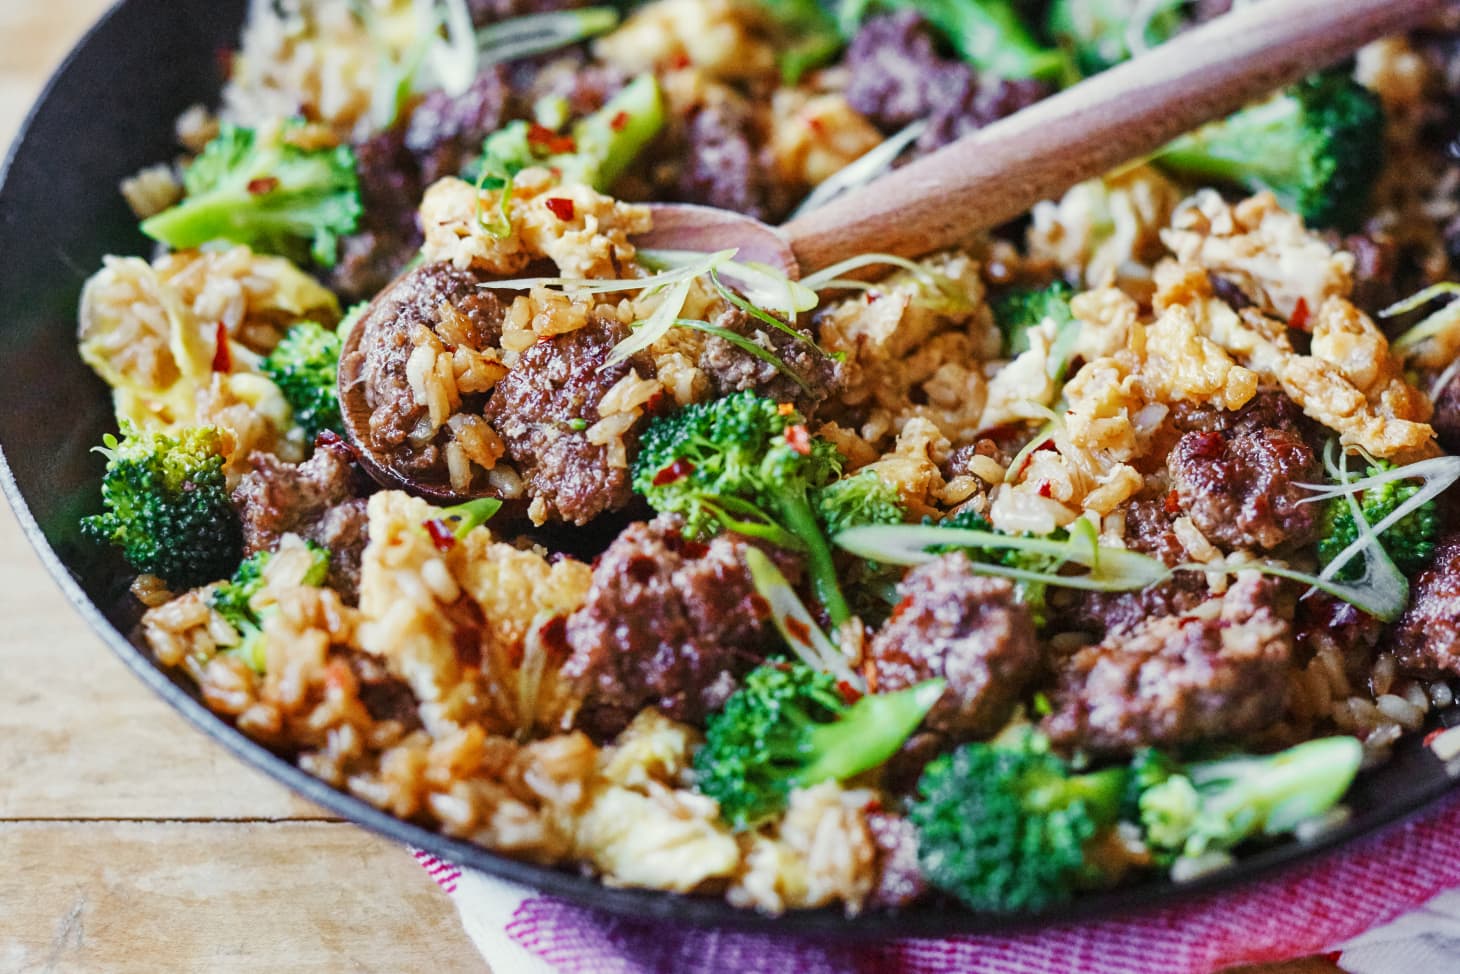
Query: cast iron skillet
{"points": [[107, 113]]}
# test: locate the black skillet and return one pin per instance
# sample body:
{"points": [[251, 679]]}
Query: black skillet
{"points": [[107, 113]]}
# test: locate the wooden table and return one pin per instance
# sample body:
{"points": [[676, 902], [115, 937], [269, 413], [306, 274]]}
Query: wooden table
{"points": [[129, 842]]}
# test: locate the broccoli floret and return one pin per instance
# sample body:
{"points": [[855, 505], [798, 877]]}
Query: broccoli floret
{"points": [[259, 188], [1215, 805], [747, 464], [234, 598], [1019, 310], [1409, 543], [305, 366], [1100, 31], [1004, 826], [596, 151], [788, 727], [167, 506], [1318, 146], [808, 33], [988, 34], [863, 498]]}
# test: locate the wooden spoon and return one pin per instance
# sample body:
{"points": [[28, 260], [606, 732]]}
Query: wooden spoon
{"points": [[999, 172]]}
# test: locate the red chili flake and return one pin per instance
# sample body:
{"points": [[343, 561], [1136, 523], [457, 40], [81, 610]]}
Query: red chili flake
{"points": [[1046, 489], [786, 408], [815, 124], [800, 439], [562, 208], [1430, 737], [902, 606], [873, 296], [441, 535], [849, 693], [339, 677], [1299, 320], [676, 471], [554, 637], [873, 806], [799, 630], [1173, 503], [619, 122], [222, 357], [266, 184], [679, 62], [542, 137]]}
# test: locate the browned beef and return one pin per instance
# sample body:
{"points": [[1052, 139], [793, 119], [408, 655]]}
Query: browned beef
{"points": [[1216, 673], [1446, 420], [668, 623], [1147, 530], [898, 76], [386, 343], [719, 163], [321, 499], [385, 696], [968, 629], [534, 409], [390, 189], [1426, 639], [731, 369], [1237, 475], [444, 133], [899, 880]]}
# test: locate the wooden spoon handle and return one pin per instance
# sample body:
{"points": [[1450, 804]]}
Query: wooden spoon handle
{"points": [[999, 172]]}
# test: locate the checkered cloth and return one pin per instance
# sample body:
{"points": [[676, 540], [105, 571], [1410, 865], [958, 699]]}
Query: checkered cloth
{"points": [[1324, 906]]}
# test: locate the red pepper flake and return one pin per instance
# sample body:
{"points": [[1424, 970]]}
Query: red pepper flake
{"points": [[816, 124], [800, 439], [873, 296], [849, 693], [441, 535], [679, 62], [676, 471], [562, 208], [1046, 489], [339, 677], [873, 806], [1430, 737], [1299, 320], [903, 606], [1173, 503], [266, 184], [786, 408], [619, 122], [544, 138], [799, 630], [222, 357]]}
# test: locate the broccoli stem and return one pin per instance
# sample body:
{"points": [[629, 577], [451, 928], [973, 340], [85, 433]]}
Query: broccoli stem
{"points": [[796, 513], [1101, 791]]}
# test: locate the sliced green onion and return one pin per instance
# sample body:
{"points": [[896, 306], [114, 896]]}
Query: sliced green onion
{"points": [[588, 285], [454, 57], [746, 345], [795, 623], [1111, 569], [863, 170], [823, 279], [1432, 326], [656, 326], [759, 315], [520, 37], [763, 285]]}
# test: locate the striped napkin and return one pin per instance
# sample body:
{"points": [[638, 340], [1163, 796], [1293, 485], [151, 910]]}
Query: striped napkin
{"points": [[1381, 906]]}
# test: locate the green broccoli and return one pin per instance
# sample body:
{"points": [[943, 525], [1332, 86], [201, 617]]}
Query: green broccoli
{"points": [[988, 34], [305, 366], [1100, 32], [1018, 310], [1216, 805], [788, 727], [599, 148], [808, 36], [1004, 826], [259, 188], [1409, 543], [746, 464], [862, 498], [1318, 146], [233, 599], [167, 505]]}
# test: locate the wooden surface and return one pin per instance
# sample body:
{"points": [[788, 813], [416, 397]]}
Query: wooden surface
{"points": [[129, 842]]}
